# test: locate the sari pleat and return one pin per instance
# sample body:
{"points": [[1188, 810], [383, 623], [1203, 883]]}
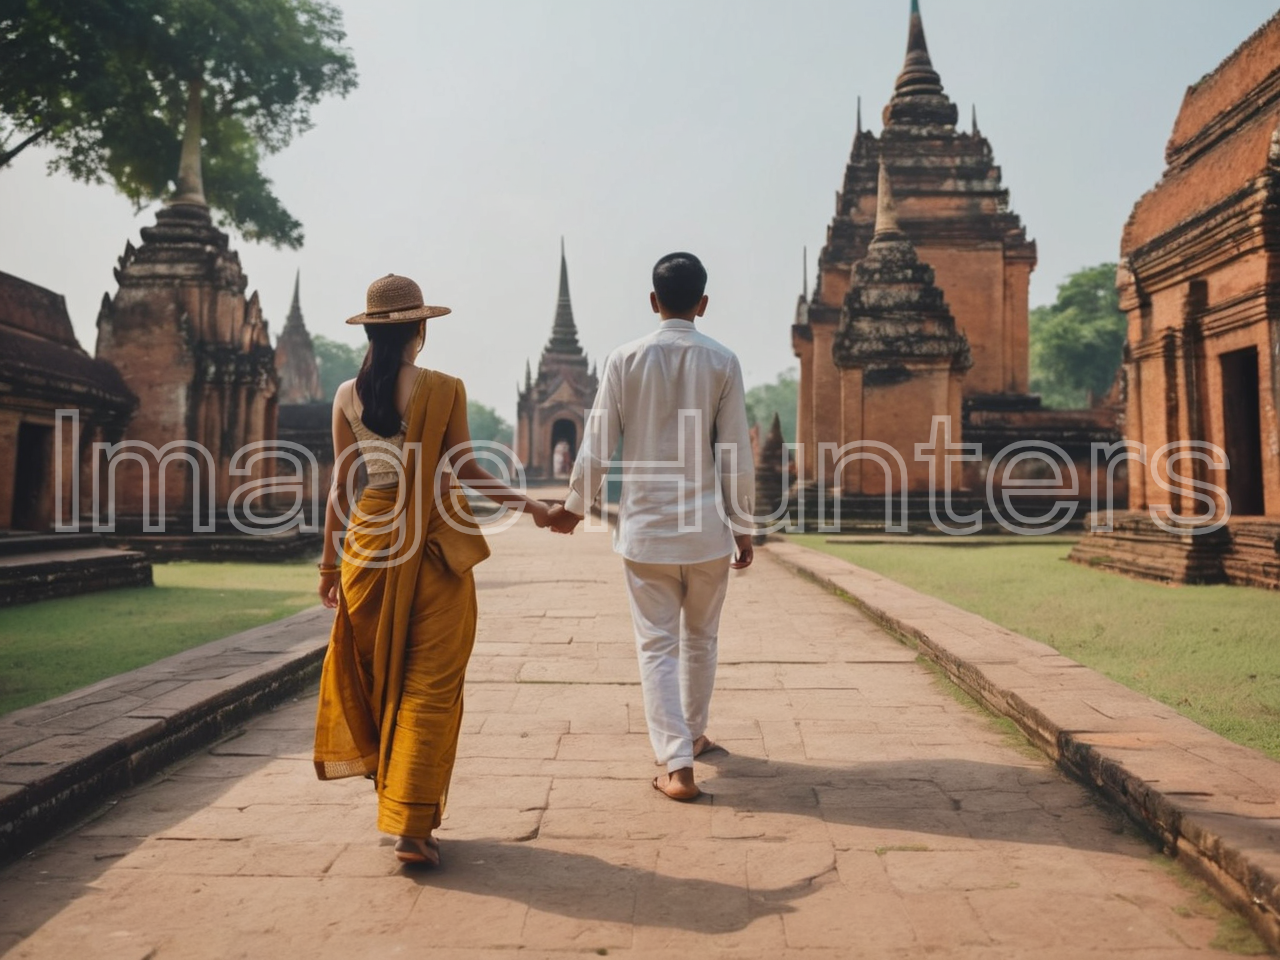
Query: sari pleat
{"points": [[390, 703]]}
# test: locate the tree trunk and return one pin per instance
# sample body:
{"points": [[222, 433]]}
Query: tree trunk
{"points": [[190, 184]]}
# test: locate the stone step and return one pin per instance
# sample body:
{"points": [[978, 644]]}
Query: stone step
{"points": [[26, 578]]}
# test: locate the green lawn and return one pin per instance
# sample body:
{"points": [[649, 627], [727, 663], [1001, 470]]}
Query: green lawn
{"points": [[55, 646], [1212, 653]]}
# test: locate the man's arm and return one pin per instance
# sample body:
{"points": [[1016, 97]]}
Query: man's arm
{"points": [[736, 465], [599, 439]]}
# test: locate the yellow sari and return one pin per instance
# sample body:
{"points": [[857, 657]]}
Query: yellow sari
{"points": [[391, 687]]}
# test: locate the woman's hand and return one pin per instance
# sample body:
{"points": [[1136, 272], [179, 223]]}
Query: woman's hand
{"points": [[330, 584], [540, 511]]}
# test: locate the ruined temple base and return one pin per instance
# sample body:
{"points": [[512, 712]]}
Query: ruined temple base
{"points": [[230, 546], [41, 566], [864, 513], [1245, 552]]}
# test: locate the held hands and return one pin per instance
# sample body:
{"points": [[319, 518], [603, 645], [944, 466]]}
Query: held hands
{"points": [[548, 514], [562, 521]]}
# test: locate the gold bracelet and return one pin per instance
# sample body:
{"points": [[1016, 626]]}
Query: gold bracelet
{"points": [[328, 568]]}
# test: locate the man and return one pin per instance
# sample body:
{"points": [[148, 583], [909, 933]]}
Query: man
{"points": [[675, 400]]}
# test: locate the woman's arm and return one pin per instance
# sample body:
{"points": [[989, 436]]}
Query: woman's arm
{"points": [[466, 467], [337, 503]]}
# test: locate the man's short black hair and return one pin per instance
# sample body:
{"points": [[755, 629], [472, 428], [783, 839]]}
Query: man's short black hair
{"points": [[679, 280]]}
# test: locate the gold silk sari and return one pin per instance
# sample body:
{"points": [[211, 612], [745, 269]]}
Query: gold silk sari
{"points": [[390, 702]]}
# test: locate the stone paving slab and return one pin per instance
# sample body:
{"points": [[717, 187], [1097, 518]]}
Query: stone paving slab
{"points": [[64, 757], [1214, 803], [867, 814]]}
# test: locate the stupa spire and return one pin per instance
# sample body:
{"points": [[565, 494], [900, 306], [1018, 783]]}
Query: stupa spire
{"points": [[295, 309], [918, 99], [189, 187], [886, 213], [564, 332]]}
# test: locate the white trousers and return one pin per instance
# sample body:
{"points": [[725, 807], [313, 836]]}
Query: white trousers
{"points": [[676, 612]]}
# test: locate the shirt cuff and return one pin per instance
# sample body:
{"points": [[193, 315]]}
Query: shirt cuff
{"points": [[575, 504]]}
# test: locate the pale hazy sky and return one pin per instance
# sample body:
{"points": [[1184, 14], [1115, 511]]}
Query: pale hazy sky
{"points": [[483, 131]]}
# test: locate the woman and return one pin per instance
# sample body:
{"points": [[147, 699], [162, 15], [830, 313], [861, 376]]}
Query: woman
{"points": [[391, 688]]}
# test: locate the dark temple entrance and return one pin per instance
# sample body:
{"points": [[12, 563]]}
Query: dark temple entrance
{"points": [[564, 447], [33, 478], [1242, 431]]}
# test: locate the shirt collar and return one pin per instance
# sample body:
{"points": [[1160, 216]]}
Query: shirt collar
{"points": [[677, 324]]}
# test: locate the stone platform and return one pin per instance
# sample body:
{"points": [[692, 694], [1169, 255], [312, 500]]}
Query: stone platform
{"points": [[1245, 552], [43, 566], [861, 811]]}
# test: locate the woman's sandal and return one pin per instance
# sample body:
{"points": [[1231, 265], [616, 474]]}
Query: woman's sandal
{"points": [[418, 852]]}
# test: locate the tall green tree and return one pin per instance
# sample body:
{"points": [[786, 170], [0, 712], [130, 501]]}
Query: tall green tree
{"points": [[110, 87], [486, 424], [779, 397], [337, 361], [1076, 342]]}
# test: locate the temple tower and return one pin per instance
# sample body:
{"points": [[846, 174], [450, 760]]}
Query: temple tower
{"points": [[550, 411], [899, 355], [296, 357], [953, 208], [195, 352]]}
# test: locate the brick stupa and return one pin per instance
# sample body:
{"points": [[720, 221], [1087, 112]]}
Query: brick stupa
{"points": [[900, 357], [551, 408]]}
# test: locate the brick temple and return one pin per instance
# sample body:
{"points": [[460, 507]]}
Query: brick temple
{"points": [[56, 402], [1199, 259], [879, 347], [550, 408], [304, 415], [295, 357]]}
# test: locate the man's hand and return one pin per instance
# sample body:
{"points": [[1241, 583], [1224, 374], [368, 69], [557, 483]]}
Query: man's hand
{"points": [[561, 520], [746, 551]]}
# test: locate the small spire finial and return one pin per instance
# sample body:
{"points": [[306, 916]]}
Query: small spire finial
{"points": [[886, 213], [805, 276], [974, 121], [297, 284], [189, 187], [859, 127]]}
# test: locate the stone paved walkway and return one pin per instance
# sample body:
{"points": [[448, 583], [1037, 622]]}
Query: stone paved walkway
{"points": [[861, 812]]}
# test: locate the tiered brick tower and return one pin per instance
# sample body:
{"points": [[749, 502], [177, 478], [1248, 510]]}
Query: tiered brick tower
{"points": [[195, 351], [953, 208], [900, 359], [551, 409], [296, 357]]}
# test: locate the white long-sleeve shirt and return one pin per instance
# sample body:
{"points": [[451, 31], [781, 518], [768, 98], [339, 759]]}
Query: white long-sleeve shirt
{"points": [[675, 399]]}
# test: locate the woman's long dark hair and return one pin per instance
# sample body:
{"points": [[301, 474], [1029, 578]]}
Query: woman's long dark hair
{"points": [[376, 381]]}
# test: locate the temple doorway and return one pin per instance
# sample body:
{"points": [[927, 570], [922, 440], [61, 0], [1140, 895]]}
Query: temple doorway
{"points": [[1242, 431], [564, 447], [32, 476]]}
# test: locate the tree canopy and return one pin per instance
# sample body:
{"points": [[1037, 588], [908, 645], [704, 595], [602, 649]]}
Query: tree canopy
{"points": [[779, 397], [338, 362], [104, 84], [1076, 342]]}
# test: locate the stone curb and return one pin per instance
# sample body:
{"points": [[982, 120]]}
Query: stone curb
{"points": [[1214, 804], [61, 759]]}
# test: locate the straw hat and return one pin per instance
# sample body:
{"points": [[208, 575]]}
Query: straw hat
{"points": [[394, 299]]}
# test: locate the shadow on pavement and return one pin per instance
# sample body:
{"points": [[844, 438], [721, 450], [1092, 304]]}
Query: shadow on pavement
{"points": [[586, 887], [946, 797]]}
